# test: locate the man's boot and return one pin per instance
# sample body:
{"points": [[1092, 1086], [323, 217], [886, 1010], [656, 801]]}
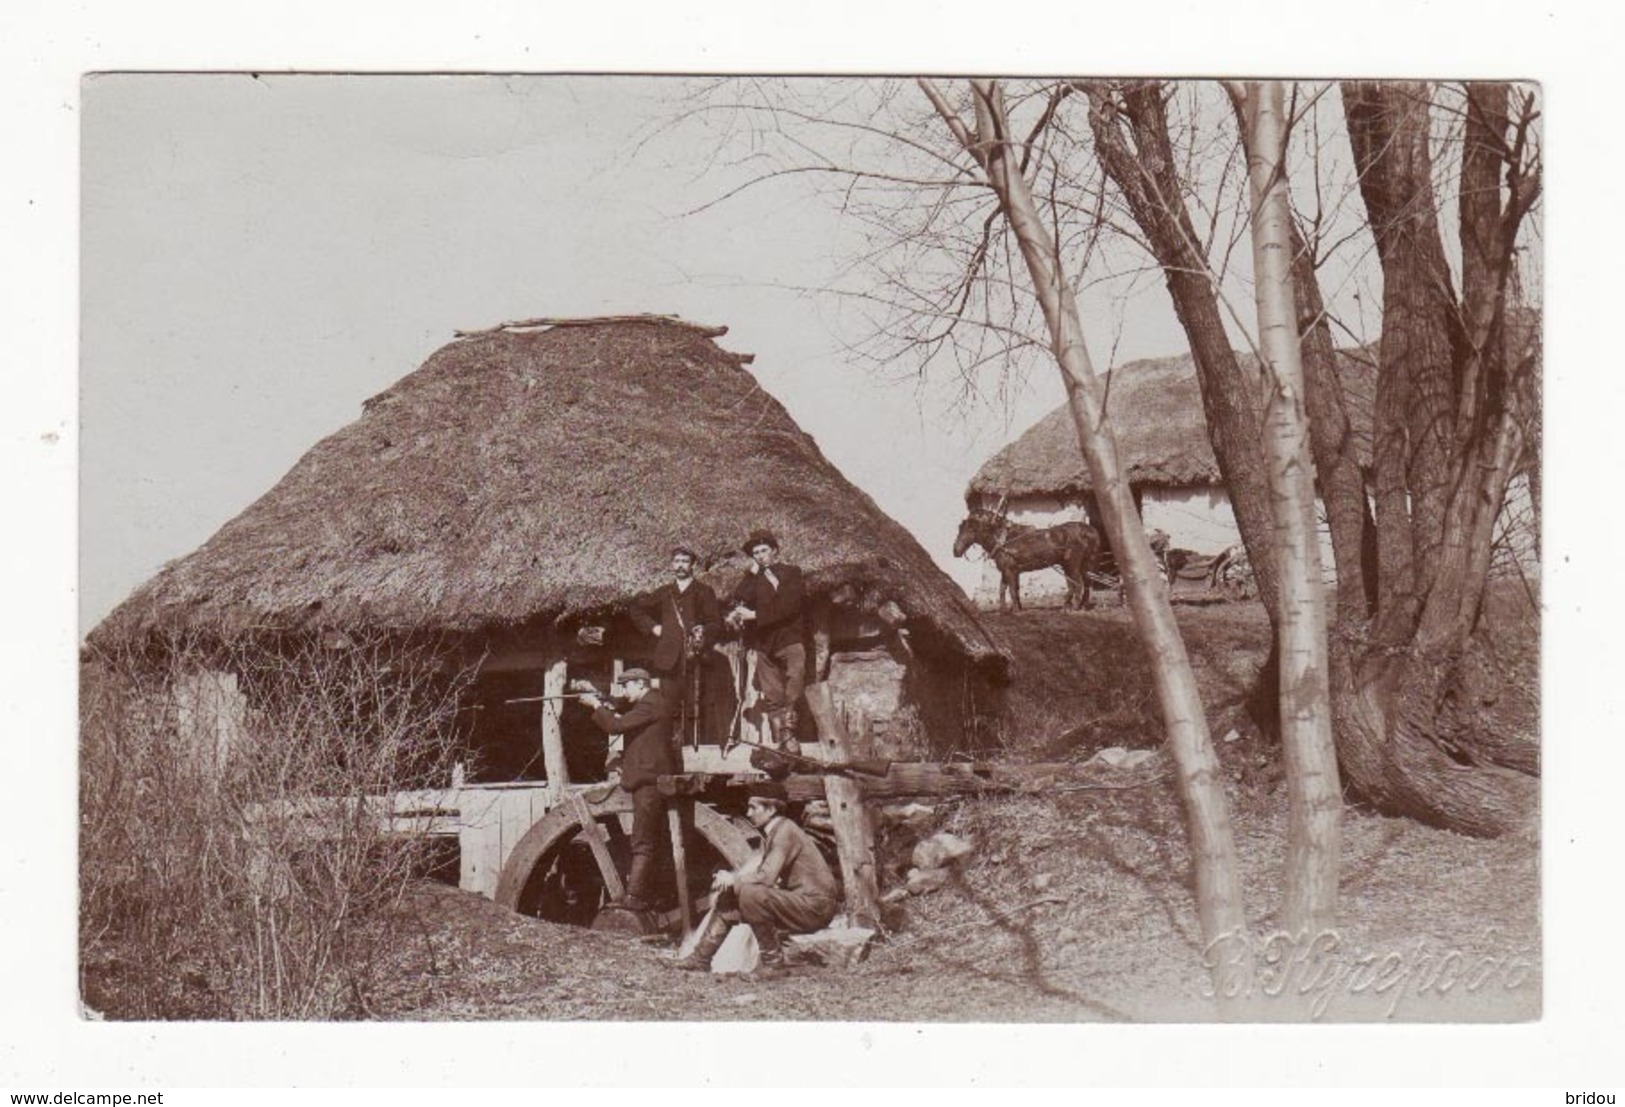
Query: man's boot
{"points": [[711, 939], [767, 941], [639, 884], [784, 731]]}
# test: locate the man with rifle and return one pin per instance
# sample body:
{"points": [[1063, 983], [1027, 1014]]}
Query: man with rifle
{"points": [[648, 754]]}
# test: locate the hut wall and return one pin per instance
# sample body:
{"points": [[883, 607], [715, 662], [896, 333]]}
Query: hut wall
{"points": [[867, 687], [1195, 517], [212, 713]]}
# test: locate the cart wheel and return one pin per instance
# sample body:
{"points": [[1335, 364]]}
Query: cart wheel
{"points": [[569, 865]]}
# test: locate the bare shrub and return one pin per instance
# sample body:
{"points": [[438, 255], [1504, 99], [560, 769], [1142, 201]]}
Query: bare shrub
{"points": [[238, 854]]}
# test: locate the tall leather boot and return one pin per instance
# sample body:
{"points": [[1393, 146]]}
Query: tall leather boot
{"points": [[784, 730], [711, 939], [767, 940], [639, 884]]}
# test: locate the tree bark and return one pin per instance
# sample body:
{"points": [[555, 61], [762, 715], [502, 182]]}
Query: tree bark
{"points": [[1140, 161], [1388, 125], [1218, 882], [1447, 439], [1314, 793]]}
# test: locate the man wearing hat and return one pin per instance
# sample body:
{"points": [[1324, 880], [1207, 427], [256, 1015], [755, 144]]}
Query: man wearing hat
{"points": [[647, 755], [785, 887], [684, 619], [769, 605]]}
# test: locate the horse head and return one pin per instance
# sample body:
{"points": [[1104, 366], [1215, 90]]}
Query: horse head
{"points": [[970, 534]]}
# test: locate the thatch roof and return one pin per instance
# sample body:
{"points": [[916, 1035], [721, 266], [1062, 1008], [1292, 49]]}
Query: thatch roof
{"points": [[1155, 410], [539, 475]]}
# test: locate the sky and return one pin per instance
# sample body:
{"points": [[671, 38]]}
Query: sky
{"points": [[261, 254], [223, 381]]}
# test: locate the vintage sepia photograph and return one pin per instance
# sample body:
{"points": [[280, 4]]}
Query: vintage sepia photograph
{"points": [[900, 549]]}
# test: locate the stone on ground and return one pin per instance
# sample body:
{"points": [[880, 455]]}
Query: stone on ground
{"points": [[922, 881], [940, 849], [834, 947]]}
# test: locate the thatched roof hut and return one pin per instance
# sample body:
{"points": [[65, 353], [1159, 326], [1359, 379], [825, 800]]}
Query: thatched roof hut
{"points": [[529, 476], [1155, 412]]}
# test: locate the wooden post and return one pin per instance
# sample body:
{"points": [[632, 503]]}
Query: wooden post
{"points": [[679, 858], [552, 735], [821, 619], [854, 838]]}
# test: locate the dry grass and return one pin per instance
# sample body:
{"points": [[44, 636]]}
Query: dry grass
{"points": [[1082, 682], [1073, 908]]}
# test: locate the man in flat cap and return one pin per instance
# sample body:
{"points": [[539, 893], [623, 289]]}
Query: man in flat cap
{"points": [[685, 620], [647, 755], [785, 887], [769, 606]]}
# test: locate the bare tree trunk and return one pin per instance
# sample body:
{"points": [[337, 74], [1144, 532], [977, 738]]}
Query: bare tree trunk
{"points": [[1141, 162], [1218, 881], [1447, 436], [1315, 807]]}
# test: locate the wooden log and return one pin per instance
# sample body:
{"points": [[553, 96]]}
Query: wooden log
{"points": [[854, 838], [552, 733]]}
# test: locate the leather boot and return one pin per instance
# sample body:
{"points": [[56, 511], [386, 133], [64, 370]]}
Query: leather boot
{"points": [[639, 884], [784, 730], [711, 939], [767, 941]]}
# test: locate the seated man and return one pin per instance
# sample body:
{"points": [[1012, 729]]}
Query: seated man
{"points": [[784, 887]]}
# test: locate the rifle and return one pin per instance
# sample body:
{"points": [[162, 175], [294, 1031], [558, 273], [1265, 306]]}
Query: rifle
{"points": [[583, 688], [862, 767], [560, 696]]}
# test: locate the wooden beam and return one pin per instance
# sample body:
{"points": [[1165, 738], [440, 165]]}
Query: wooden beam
{"points": [[854, 838], [598, 842], [552, 734]]}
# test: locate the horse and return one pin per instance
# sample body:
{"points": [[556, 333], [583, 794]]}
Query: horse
{"points": [[1016, 549]]}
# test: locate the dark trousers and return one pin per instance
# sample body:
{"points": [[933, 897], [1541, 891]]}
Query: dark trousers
{"points": [[782, 676], [648, 835], [705, 678], [786, 911]]}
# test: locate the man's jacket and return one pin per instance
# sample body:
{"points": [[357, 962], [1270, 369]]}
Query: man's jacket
{"points": [[648, 751], [779, 611], [791, 861], [676, 614]]}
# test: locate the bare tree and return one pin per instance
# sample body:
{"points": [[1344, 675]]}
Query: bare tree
{"points": [[994, 150], [237, 854], [1313, 837], [1454, 393]]}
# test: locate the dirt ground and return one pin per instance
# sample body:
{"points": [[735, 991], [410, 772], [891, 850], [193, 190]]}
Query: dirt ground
{"points": [[1072, 907]]}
